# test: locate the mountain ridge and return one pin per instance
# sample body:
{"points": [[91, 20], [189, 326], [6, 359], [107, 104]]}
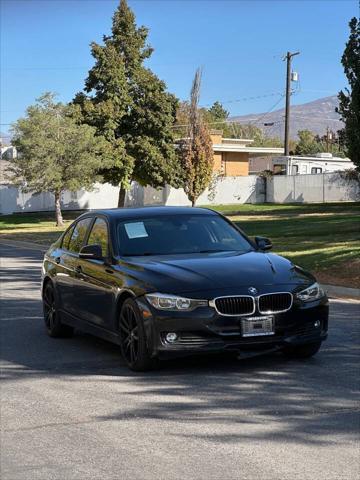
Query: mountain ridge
{"points": [[317, 116]]}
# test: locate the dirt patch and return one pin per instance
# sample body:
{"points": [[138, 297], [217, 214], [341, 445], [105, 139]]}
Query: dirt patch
{"points": [[345, 274]]}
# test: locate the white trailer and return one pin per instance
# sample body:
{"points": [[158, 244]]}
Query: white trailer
{"points": [[320, 163]]}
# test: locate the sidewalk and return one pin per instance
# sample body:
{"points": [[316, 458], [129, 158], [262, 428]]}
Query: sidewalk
{"points": [[332, 291]]}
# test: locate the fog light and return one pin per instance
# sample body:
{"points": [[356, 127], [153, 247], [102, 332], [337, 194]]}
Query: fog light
{"points": [[317, 324], [171, 337]]}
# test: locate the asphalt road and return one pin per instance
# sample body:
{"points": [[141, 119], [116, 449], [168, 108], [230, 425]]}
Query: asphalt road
{"points": [[70, 409]]}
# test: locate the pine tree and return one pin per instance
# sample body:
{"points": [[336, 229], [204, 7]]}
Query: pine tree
{"points": [[130, 106], [218, 112], [349, 101], [196, 152]]}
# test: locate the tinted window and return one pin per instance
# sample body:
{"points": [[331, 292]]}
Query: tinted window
{"points": [[66, 238], [178, 234], [99, 236], [78, 235]]}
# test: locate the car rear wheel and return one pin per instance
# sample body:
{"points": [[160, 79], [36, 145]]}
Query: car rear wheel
{"points": [[53, 325], [302, 351], [133, 339]]}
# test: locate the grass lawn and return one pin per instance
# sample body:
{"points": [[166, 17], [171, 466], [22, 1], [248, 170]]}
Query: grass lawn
{"points": [[323, 238], [34, 227]]}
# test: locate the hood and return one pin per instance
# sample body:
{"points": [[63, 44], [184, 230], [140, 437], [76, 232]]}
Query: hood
{"points": [[216, 271]]}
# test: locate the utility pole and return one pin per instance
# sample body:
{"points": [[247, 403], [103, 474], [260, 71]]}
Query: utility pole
{"points": [[327, 139], [288, 58]]}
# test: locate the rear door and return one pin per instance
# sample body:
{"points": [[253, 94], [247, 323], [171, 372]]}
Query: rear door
{"points": [[63, 276], [68, 279]]}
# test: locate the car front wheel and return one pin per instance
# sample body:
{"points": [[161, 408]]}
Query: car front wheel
{"points": [[53, 325], [302, 351], [133, 339]]}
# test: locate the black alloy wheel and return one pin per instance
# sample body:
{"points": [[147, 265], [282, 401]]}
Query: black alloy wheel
{"points": [[54, 327], [133, 339]]}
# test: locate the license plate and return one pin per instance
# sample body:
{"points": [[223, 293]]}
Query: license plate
{"points": [[256, 326]]}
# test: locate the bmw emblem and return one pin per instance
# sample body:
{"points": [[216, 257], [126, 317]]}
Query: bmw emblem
{"points": [[252, 290]]}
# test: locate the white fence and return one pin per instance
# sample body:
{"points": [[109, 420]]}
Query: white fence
{"points": [[327, 187], [226, 190]]}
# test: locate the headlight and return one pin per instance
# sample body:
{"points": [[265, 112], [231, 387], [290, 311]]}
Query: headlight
{"points": [[163, 301], [311, 293]]}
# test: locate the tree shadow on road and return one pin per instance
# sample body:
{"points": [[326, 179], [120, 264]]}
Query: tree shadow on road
{"points": [[216, 396]]}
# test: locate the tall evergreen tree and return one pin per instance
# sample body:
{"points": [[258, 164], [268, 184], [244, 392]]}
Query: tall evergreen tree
{"points": [[196, 151], [218, 112], [349, 101], [130, 106]]}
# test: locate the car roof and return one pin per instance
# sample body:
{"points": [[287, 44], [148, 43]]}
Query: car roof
{"points": [[145, 212]]}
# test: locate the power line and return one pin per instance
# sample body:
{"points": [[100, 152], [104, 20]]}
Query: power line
{"points": [[269, 111], [244, 99]]}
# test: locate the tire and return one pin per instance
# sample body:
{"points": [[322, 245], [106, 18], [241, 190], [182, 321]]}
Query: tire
{"points": [[302, 351], [53, 325], [133, 338]]}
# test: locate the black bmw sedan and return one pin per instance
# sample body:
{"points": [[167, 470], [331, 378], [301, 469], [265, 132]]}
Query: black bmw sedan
{"points": [[167, 281]]}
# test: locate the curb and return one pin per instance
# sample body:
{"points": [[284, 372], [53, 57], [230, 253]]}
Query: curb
{"points": [[28, 245], [332, 291], [335, 291]]}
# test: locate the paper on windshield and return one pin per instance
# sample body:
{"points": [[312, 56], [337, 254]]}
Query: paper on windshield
{"points": [[136, 230]]}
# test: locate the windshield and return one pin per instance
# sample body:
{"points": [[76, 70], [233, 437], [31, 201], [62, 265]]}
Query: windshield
{"points": [[179, 234]]}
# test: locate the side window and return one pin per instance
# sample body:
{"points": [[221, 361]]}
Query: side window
{"points": [[66, 238], [99, 236], [316, 170], [78, 235]]}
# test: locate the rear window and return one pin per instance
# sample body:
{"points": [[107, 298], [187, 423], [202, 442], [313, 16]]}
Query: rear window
{"points": [[179, 234], [66, 237]]}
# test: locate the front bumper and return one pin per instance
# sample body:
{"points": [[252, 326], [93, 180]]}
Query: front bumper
{"points": [[205, 331]]}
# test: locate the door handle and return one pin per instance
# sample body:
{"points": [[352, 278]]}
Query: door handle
{"points": [[78, 270], [58, 260]]}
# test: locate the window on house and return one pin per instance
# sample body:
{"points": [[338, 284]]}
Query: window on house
{"points": [[316, 170], [279, 169]]}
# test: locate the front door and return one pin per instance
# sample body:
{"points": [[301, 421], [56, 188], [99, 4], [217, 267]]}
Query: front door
{"points": [[96, 302]]}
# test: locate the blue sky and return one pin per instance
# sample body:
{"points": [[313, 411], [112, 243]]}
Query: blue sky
{"points": [[239, 44]]}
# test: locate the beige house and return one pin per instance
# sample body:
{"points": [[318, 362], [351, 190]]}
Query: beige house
{"points": [[232, 155]]}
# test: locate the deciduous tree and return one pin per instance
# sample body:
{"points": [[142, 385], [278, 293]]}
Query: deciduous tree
{"points": [[54, 153], [307, 145], [195, 151]]}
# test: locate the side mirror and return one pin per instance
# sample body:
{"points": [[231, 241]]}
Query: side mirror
{"points": [[263, 243], [91, 252]]}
